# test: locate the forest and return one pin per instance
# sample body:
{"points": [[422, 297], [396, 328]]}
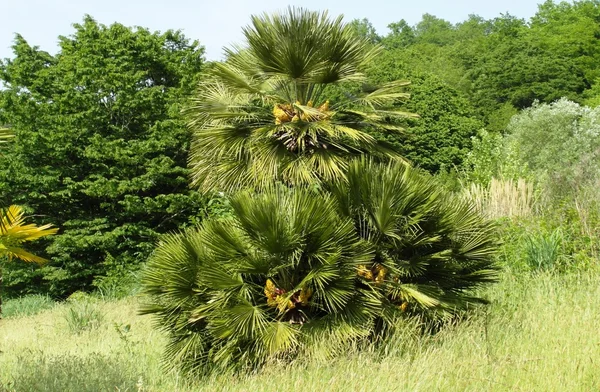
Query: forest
{"points": [[327, 199]]}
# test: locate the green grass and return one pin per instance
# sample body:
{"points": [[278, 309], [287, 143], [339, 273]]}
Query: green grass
{"points": [[26, 306], [540, 334]]}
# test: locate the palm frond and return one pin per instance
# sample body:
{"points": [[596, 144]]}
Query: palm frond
{"points": [[261, 115], [14, 233]]}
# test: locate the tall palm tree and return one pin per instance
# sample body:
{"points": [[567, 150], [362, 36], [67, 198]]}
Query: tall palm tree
{"points": [[266, 113], [14, 232]]}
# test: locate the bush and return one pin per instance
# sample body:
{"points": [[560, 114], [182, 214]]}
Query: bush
{"points": [[559, 144], [294, 266]]}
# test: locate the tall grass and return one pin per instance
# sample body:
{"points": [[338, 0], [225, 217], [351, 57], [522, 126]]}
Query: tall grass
{"points": [[27, 305], [503, 198], [539, 334]]}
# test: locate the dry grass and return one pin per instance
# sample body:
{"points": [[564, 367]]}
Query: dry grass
{"points": [[503, 198]]}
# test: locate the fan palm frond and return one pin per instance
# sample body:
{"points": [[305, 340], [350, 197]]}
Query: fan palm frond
{"points": [[262, 115], [255, 286], [14, 233], [431, 249]]}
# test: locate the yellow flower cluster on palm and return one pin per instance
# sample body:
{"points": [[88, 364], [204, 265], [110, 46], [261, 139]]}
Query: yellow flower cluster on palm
{"points": [[14, 232], [285, 113], [376, 273], [276, 297]]}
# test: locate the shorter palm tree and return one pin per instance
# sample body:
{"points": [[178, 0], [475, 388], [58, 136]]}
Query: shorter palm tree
{"points": [[14, 233], [292, 265], [431, 249], [238, 292]]}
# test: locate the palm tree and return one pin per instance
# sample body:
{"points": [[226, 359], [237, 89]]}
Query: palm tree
{"points": [[431, 249], [14, 233], [293, 264], [239, 291], [267, 113]]}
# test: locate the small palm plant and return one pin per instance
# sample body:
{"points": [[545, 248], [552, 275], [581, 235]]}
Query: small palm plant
{"points": [[14, 233], [240, 291], [265, 114], [430, 249]]}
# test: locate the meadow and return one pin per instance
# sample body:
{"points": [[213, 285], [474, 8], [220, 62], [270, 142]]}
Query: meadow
{"points": [[538, 334]]}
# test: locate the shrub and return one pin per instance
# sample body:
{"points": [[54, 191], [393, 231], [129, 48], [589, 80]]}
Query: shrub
{"points": [[431, 249], [559, 144], [240, 291], [292, 266]]}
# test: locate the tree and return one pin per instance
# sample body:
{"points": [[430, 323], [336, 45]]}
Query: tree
{"points": [[14, 233], [365, 29], [441, 137], [100, 147], [265, 114]]}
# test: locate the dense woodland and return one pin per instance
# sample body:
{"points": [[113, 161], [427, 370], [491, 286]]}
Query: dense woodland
{"points": [[127, 136], [102, 147]]}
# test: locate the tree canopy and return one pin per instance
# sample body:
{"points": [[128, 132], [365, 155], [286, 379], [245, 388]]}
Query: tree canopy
{"points": [[100, 148]]}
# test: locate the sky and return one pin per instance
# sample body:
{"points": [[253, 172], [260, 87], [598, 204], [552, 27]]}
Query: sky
{"points": [[217, 23]]}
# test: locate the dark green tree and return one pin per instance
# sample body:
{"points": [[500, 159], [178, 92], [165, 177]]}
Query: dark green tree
{"points": [[441, 137], [100, 147]]}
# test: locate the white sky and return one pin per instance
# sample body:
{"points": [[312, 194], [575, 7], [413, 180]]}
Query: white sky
{"points": [[217, 23]]}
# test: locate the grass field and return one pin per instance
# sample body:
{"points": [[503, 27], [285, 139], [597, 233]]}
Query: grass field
{"points": [[539, 334]]}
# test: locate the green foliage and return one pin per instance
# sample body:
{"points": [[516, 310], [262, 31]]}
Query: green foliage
{"points": [[559, 144], [293, 266], [265, 114], [100, 148], [237, 292], [441, 138], [434, 249], [507, 63], [28, 305], [543, 251]]}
